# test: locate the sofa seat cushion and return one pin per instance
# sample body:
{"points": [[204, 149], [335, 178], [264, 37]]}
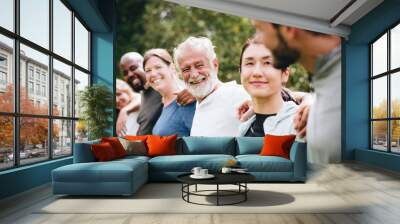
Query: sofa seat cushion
{"points": [[257, 163], [185, 163], [112, 171], [133, 158]]}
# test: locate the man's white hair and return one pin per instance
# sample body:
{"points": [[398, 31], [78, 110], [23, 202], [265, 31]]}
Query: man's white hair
{"points": [[132, 56], [196, 43]]}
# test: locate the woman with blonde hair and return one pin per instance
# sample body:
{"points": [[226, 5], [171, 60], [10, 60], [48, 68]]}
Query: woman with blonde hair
{"points": [[161, 76]]}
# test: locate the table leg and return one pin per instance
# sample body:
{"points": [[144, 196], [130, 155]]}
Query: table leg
{"points": [[196, 188], [188, 190], [245, 191], [182, 188], [217, 194]]}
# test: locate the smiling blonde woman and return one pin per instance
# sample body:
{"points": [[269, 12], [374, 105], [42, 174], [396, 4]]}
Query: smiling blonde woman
{"points": [[162, 77]]}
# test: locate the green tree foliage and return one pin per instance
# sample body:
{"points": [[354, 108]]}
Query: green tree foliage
{"points": [[162, 24], [96, 102]]}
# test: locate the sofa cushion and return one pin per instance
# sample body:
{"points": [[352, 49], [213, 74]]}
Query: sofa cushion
{"points": [[134, 147], [131, 158], [249, 145], [161, 145], [206, 145], [111, 171], [257, 163], [103, 152], [116, 145], [185, 163], [275, 145]]}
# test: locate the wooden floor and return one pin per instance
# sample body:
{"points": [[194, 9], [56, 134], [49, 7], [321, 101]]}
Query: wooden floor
{"points": [[378, 188]]}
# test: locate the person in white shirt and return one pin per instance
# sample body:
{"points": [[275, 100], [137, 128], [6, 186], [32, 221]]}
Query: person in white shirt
{"points": [[125, 96], [215, 113]]}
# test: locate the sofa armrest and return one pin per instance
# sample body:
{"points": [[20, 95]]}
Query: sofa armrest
{"points": [[298, 155], [83, 152]]}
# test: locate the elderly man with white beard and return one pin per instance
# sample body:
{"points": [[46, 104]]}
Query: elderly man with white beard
{"points": [[217, 102]]}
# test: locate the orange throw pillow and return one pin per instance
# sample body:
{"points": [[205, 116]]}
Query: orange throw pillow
{"points": [[277, 145], [161, 145], [135, 138], [103, 152], [116, 145]]}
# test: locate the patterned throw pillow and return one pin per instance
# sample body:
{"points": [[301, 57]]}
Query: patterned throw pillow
{"points": [[134, 147]]}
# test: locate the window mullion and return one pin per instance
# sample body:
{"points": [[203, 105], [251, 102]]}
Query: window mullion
{"points": [[16, 84], [50, 81], [389, 101], [73, 82], [371, 98]]}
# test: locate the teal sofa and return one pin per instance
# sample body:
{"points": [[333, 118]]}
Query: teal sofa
{"points": [[125, 176]]}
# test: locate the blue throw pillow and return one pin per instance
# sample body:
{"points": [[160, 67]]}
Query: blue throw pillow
{"points": [[249, 145], [207, 145]]}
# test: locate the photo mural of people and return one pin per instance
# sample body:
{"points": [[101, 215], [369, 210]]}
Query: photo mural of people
{"points": [[215, 86], [320, 54]]}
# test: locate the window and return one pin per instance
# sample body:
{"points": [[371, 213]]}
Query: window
{"points": [[7, 14], [47, 75], [3, 72], [62, 76], [30, 87], [30, 72], [62, 29], [3, 61], [62, 140], [81, 45], [7, 73], [385, 92], [38, 89], [34, 22], [3, 78], [37, 74], [44, 91]]}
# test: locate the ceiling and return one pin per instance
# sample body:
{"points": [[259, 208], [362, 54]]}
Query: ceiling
{"points": [[326, 16]]}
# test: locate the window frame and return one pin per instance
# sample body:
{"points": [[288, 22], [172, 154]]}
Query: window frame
{"points": [[16, 115], [388, 74]]}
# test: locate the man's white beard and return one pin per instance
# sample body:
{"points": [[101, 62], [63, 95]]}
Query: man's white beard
{"points": [[202, 90]]}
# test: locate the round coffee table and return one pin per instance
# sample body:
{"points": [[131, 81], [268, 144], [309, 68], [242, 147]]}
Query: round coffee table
{"points": [[238, 179]]}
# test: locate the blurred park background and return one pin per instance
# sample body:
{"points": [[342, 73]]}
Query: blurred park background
{"points": [[143, 25]]}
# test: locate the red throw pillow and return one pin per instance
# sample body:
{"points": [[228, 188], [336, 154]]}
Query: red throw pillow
{"points": [[277, 145], [103, 152], [116, 145], [161, 145]]}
